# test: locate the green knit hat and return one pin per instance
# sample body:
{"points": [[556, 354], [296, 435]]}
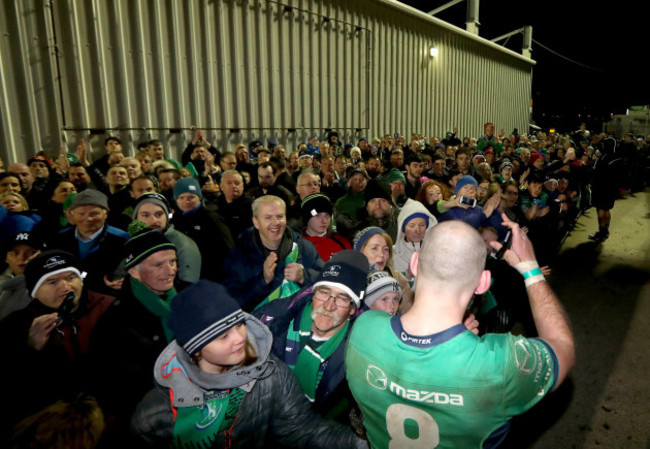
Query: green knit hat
{"points": [[394, 175], [143, 243]]}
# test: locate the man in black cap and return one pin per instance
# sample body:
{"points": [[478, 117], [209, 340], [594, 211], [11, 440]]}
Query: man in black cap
{"points": [[379, 210], [47, 341], [97, 245], [152, 209], [254, 148], [310, 331], [134, 330]]}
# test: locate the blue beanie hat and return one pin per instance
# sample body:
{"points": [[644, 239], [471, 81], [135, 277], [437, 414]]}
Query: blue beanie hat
{"points": [[465, 180], [415, 215], [187, 185], [361, 237], [202, 312]]}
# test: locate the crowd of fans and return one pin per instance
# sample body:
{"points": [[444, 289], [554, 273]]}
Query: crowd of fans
{"points": [[278, 234]]}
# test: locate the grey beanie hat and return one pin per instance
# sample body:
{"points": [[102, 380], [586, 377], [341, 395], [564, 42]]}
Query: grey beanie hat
{"points": [[90, 197], [378, 284], [150, 197]]}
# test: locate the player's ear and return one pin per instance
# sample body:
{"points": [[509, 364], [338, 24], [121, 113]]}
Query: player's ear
{"points": [[484, 282], [414, 263]]}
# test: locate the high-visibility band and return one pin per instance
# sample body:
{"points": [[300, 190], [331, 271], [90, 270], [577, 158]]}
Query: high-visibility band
{"points": [[531, 273]]}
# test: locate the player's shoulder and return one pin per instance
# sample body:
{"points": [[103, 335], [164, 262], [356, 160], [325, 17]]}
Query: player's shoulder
{"points": [[368, 323], [372, 318]]}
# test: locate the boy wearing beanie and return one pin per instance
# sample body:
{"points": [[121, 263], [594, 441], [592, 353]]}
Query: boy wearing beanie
{"points": [[458, 207], [383, 292], [316, 210]]}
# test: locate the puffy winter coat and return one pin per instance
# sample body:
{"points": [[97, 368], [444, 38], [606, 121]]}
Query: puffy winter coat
{"points": [[273, 411]]}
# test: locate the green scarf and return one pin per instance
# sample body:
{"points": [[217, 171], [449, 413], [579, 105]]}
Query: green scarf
{"points": [[198, 427], [157, 305], [312, 354], [287, 288]]}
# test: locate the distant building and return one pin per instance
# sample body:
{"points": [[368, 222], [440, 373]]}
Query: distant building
{"points": [[635, 121]]}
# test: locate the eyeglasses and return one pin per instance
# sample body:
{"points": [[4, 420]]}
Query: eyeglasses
{"points": [[483, 189], [310, 184], [324, 294]]}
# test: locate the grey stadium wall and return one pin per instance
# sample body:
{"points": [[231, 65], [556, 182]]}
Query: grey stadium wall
{"points": [[243, 70]]}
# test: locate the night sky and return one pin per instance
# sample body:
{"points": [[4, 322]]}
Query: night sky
{"points": [[607, 44]]}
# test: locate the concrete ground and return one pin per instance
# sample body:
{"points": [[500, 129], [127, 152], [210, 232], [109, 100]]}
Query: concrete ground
{"points": [[606, 291]]}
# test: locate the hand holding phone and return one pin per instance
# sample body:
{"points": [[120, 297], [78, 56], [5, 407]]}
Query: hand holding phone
{"points": [[467, 201]]}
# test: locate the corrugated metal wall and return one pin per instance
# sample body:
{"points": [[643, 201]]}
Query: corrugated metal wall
{"points": [[243, 69]]}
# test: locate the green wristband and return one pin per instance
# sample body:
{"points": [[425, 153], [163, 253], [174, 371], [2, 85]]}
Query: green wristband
{"points": [[531, 273]]}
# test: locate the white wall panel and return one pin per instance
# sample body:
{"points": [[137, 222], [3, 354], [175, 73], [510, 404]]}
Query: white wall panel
{"points": [[243, 69]]}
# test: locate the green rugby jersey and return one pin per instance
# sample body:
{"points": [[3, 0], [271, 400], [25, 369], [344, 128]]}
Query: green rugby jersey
{"points": [[447, 390]]}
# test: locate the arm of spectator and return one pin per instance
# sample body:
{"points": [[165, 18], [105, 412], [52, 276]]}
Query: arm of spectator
{"points": [[550, 318], [82, 153], [62, 165], [492, 203], [452, 202], [531, 212]]}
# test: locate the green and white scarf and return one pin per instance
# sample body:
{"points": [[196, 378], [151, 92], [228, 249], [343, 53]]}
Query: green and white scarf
{"points": [[199, 427], [312, 355], [287, 288]]}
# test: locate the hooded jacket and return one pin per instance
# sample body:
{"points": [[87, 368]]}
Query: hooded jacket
{"points": [[13, 295], [189, 256], [273, 410], [403, 250]]}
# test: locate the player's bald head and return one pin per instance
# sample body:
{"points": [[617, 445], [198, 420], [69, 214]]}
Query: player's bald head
{"points": [[453, 254]]}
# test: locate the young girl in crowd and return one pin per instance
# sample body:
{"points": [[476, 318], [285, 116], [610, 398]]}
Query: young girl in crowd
{"points": [[219, 385], [383, 292]]}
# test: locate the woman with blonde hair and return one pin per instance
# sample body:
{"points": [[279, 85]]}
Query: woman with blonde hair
{"points": [[377, 246]]}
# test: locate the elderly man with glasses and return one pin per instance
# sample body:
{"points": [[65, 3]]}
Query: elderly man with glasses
{"points": [[311, 328]]}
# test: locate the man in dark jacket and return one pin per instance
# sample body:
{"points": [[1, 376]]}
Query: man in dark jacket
{"points": [[97, 245], [205, 227], [134, 330], [604, 188], [310, 330], [269, 258], [46, 343], [234, 207]]}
